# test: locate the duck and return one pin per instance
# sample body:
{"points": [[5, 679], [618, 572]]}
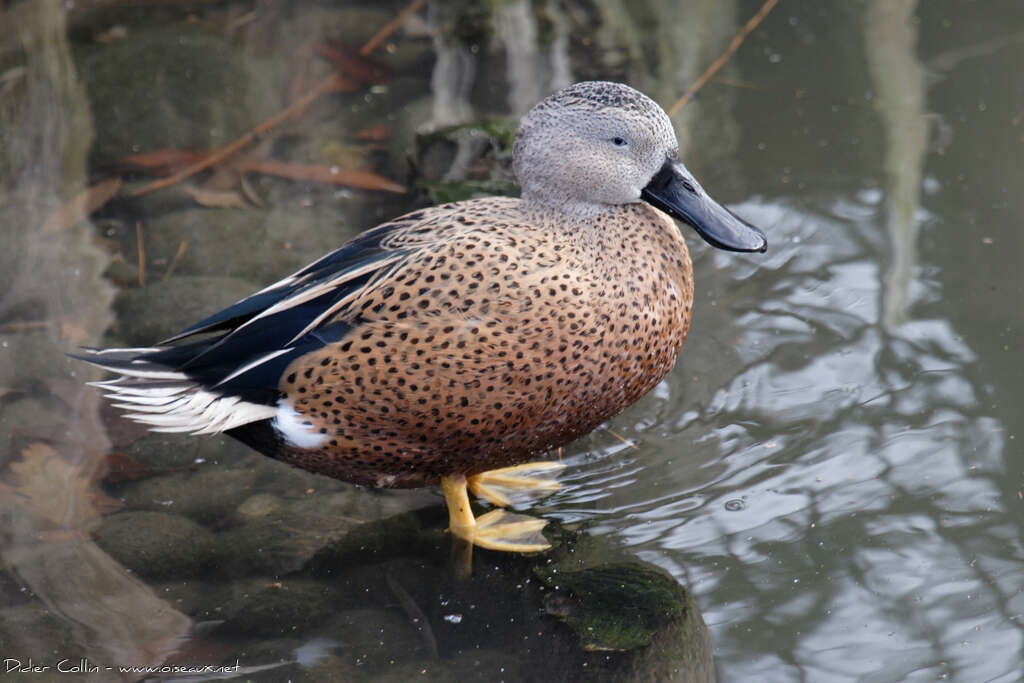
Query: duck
{"points": [[457, 344]]}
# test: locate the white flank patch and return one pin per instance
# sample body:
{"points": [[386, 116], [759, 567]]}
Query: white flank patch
{"points": [[295, 430]]}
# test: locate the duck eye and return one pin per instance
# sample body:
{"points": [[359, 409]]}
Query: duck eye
{"points": [[619, 142]]}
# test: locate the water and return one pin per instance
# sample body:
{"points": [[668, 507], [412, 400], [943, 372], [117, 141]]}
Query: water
{"points": [[833, 468]]}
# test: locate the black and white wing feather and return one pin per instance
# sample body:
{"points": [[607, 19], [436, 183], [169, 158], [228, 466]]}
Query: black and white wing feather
{"points": [[228, 376]]}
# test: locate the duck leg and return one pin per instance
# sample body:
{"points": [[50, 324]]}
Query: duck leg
{"points": [[496, 530], [495, 486]]}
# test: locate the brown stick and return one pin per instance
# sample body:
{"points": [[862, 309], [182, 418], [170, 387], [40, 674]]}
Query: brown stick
{"points": [[326, 85], [224, 152], [182, 248], [724, 57], [621, 438], [24, 326], [390, 27], [141, 246]]}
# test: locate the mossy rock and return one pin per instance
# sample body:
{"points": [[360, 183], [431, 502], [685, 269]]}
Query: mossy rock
{"points": [[275, 535], [157, 545], [206, 496], [160, 454], [631, 620], [170, 86], [163, 308], [401, 535], [615, 606], [283, 608], [257, 246]]}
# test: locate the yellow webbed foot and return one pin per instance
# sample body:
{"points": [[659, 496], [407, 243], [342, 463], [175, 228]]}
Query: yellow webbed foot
{"points": [[496, 530], [495, 486], [500, 530]]}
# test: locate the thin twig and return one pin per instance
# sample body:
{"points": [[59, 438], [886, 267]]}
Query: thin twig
{"points": [[334, 82], [390, 27], [295, 107], [182, 248], [142, 253], [622, 438], [24, 326], [724, 57]]}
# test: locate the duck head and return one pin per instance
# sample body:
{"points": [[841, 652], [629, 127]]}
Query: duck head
{"points": [[599, 144]]}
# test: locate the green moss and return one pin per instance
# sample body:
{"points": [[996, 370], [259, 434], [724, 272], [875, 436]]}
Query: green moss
{"points": [[617, 606], [467, 161], [442, 193]]}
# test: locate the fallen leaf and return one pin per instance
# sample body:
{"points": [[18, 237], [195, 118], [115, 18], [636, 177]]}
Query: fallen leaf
{"points": [[116, 32], [374, 133], [56, 490], [164, 161], [104, 504], [168, 161], [350, 63], [123, 467], [340, 84], [75, 332], [365, 180], [217, 199], [81, 205]]}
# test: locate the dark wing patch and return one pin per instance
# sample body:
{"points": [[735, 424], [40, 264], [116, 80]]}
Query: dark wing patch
{"points": [[360, 250], [262, 334]]}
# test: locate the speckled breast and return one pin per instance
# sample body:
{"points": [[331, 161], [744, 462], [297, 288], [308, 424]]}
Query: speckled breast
{"points": [[495, 345]]}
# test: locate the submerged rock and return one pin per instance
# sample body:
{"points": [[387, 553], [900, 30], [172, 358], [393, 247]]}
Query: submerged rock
{"points": [[163, 308], [615, 607], [392, 599], [161, 454], [274, 535], [206, 496], [583, 611], [281, 608], [171, 86], [157, 545], [255, 245]]}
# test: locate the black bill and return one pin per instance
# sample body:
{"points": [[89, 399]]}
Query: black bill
{"points": [[676, 192]]}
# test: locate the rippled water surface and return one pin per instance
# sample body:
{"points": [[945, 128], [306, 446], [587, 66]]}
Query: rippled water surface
{"points": [[833, 468]]}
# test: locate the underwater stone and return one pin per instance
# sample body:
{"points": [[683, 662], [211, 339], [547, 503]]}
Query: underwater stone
{"points": [[170, 86], [156, 545], [284, 608], [206, 496], [163, 308]]}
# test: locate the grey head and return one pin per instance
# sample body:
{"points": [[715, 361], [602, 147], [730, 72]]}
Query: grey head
{"points": [[598, 144]]}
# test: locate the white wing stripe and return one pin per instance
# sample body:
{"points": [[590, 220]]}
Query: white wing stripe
{"points": [[249, 366], [320, 289]]}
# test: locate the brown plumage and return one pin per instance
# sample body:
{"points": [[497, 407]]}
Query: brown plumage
{"points": [[502, 337], [464, 337]]}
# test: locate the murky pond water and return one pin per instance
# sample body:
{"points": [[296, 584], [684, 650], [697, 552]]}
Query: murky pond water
{"points": [[832, 471]]}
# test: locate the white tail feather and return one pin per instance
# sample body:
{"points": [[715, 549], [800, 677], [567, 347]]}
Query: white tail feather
{"points": [[168, 401]]}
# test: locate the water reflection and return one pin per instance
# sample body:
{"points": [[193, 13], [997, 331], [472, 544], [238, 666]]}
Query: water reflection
{"points": [[891, 39], [63, 594], [832, 467]]}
